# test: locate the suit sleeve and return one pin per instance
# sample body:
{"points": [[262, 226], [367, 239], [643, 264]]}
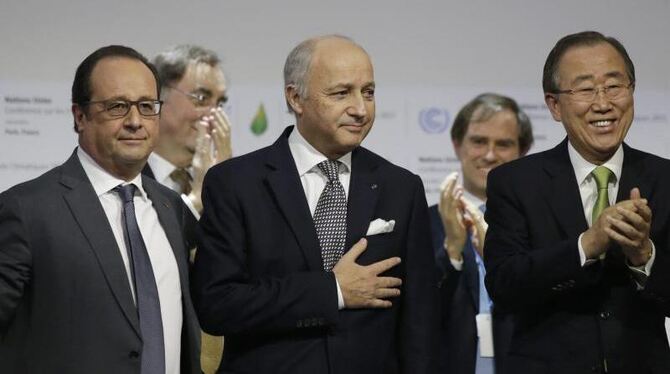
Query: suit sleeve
{"points": [[15, 258], [228, 298], [419, 323], [518, 275]]}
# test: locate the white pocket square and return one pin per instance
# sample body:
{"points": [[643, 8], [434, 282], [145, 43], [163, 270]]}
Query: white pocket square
{"points": [[379, 226]]}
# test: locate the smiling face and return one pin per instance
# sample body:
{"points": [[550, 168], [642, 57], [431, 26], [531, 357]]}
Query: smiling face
{"points": [[485, 145], [338, 109], [122, 145], [596, 128]]}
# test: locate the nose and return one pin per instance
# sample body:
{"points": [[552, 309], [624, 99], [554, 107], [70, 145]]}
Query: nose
{"points": [[490, 154], [601, 103], [133, 118], [357, 107]]}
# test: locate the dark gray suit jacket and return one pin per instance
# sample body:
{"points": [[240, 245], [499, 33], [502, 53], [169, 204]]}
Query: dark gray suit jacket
{"points": [[65, 302]]}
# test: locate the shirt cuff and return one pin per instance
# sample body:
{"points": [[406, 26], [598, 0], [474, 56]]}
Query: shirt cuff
{"points": [[457, 264], [190, 206], [642, 272], [340, 298], [582, 255]]}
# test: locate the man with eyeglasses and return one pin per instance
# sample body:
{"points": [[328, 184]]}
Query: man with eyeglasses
{"points": [[93, 265], [194, 129], [578, 236], [194, 135]]}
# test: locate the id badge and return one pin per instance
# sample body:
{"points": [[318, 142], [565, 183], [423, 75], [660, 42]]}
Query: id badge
{"points": [[485, 334]]}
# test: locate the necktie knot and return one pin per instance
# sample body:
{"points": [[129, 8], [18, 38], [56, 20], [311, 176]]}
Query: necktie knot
{"points": [[182, 177], [602, 175], [126, 192], [331, 168]]}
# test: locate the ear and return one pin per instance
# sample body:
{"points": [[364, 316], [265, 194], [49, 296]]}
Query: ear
{"points": [[79, 117], [293, 98], [457, 147], [552, 103]]}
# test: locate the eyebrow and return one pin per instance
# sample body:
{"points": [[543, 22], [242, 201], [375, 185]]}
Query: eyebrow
{"points": [[585, 77]]}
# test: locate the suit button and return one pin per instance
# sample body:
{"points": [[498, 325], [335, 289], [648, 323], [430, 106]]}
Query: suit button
{"points": [[133, 354], [605, 315]]}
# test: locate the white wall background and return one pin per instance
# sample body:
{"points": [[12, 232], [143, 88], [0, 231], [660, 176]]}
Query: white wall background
{"points": [[426, 54]]}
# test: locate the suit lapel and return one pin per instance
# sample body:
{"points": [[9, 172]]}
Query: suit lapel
{"points": [[284, 183], [471, 273], [632, 175], [168, 220], [362, 199], [563, 192], [90, 216]]}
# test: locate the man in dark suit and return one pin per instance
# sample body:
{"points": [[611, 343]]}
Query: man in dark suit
{"points": [[488, 131], [272, 273], [579, 235], [93, 263]]}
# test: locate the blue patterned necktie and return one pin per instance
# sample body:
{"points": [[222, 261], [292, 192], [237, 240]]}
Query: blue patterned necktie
{"points": [[330, 216], [146, 291]]}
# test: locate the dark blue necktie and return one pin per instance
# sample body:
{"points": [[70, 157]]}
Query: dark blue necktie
{"points": [[146, 291]]}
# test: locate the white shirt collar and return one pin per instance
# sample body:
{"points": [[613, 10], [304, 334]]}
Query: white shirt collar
{"points": [[473, 199], [102, 181], [306, 157], [584, 168], [160, 167]]}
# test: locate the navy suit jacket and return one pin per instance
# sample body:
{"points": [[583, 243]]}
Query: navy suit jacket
{"points": [[65, 301], [259, 276], [459, 306], [569, 318]]}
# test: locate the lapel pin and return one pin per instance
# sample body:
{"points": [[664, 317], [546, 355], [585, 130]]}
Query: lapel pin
{"points": [[374, 186]]}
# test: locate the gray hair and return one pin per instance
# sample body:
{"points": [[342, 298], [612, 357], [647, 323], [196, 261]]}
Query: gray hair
{"points": [[172, 63], [482, 108], [298, 61]]}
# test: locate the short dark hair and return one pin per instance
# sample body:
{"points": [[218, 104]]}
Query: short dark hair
{"points": [[81, 86], [580, 39], [172, 63], [482, 108]]}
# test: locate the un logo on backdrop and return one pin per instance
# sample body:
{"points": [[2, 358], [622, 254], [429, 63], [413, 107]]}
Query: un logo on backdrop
{"points": [[434, 120]]}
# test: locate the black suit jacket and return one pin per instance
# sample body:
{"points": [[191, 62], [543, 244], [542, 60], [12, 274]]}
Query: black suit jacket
{"points": [[259, 276], [573, 319], [65, 302], [459, 306]]}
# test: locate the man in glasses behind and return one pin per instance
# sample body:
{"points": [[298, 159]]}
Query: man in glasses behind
{"points": [[194, 135], [194, 130]]}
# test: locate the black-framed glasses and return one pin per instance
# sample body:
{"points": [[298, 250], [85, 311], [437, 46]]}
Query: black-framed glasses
{"points": [[200, 99], [120, 108], [611, 92]]}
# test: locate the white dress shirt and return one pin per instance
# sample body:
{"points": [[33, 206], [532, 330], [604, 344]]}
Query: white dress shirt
{"points": [[162, 169], [588, 190], [313, 180], [162, 258]]}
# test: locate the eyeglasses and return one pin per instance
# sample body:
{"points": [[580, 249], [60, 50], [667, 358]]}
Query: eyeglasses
{"points": [[201, 100], [120, 108], [611, 92]]}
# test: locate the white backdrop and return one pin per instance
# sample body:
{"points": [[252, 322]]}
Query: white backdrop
{"points": [[430, 58]]}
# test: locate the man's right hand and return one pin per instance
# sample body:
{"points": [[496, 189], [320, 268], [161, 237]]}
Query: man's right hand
{"points": [[361, 286], [451, 213]]}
